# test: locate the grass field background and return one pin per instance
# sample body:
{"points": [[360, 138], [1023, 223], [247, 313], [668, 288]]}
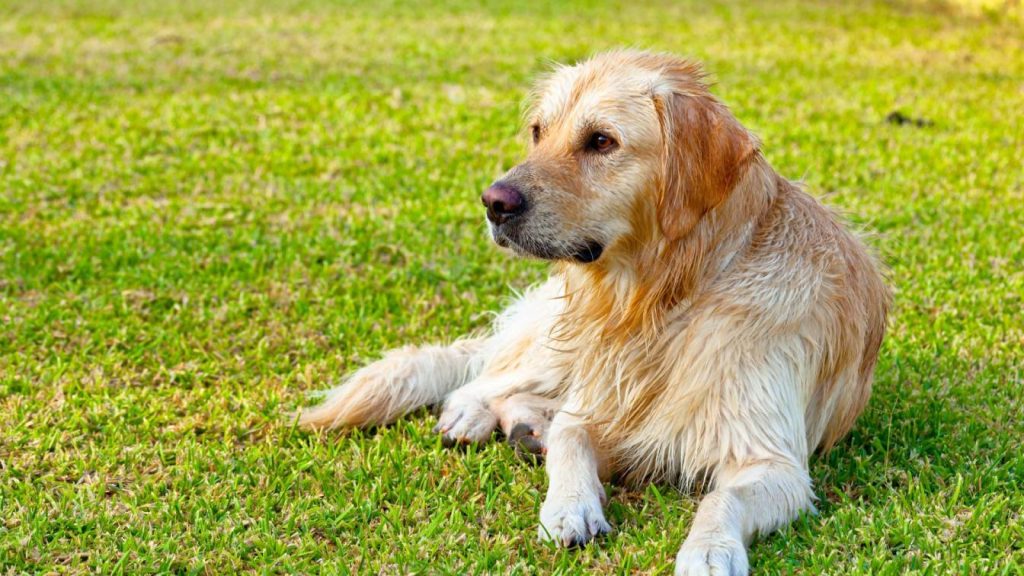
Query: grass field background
{"points": [[208, 210]]}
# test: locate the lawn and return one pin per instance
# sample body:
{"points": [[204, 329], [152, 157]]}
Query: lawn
{"points": [[208, 210]]}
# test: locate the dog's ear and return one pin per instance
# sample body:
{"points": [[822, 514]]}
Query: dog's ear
{"points": [[705, 151]]}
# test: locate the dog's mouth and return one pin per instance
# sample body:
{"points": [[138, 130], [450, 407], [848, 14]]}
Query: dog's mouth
{"points": [[588, 253], [505, 237]]}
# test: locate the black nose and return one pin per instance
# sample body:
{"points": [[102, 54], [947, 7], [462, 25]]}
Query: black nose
{"points": [[503, 202]]}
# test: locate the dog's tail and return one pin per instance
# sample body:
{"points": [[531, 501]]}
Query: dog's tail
{"points": [[402, 381]]}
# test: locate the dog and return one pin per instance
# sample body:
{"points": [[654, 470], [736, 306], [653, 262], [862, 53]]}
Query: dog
{"points": [[706, 321]]}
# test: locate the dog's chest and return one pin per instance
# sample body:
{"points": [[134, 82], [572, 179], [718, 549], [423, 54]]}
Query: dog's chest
{"points": [[652, 419]]}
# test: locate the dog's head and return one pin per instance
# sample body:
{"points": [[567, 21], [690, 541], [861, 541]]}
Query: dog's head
{"points": [[627, 148]]}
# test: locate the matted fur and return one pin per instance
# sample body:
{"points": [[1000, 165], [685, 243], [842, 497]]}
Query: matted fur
{"points": [[729, 328]]}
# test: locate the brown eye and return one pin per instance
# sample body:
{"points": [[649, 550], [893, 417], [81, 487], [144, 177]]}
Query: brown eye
{"points": [[535, 130], [600, 142]]}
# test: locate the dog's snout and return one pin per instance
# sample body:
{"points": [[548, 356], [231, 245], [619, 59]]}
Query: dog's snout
{"points": [[503, 201]]}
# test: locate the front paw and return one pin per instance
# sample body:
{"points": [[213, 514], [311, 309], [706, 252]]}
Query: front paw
{"points": [[465, 419], [712, 554], [572, 522]]}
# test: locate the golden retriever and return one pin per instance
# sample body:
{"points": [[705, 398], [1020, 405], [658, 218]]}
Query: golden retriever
{"points": [[705, 320]]}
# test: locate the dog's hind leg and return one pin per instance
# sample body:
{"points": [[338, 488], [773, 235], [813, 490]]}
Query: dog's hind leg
{"points": [[520, 360], [525, 419], [403, 380], [528, 396]]}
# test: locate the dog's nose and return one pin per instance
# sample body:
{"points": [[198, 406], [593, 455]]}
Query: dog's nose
{"points": [[503, 202]]}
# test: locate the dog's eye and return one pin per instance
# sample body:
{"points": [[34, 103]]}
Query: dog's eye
{"points": [[535, 131], [600, 142]]}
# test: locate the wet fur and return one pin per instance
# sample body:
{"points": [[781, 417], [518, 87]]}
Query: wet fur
{"points": [[730, 328]]}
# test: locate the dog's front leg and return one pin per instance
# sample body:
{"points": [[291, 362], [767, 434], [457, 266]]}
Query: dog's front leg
{"points": [[403, 380], [749, 499], [572, 512]]}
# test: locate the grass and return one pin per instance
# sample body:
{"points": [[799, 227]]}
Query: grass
{"points": [[207, 212]]}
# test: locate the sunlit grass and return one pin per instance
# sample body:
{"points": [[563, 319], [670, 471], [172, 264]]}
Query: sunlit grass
{"points": [[209, 209]]}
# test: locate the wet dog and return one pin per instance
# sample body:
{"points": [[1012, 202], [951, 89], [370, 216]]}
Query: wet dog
{"points": [[705, 319]]}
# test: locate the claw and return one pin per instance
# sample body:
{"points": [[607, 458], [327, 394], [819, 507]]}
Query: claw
{"points": [[519, 431], [526, 443], [577, 542]]}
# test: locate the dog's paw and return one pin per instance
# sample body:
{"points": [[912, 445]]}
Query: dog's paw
{"points": [[528, 442], [572, 522], [525, 419], [465, 419], [712, 555]]}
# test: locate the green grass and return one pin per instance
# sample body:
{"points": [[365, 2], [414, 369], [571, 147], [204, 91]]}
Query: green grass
{"points": [[206, 213]]}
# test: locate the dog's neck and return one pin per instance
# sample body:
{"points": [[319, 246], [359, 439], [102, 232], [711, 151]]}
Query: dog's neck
{"points": [[632, 291]]}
